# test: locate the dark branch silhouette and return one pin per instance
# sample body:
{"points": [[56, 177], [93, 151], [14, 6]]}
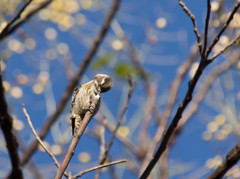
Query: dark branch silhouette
{"points": [[231, 159], [17, 21], [10, 138], [191, 86]]}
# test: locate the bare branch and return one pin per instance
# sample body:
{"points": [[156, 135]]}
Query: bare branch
{"points": [[85, 62], [98, 167], [188, 97], [15, 18], [231, 159], [206, 27], [17, 22], [223, 29], [70, 152], [210, 79], [10, 138], [235, 40], [39, 140], [195, 29]]}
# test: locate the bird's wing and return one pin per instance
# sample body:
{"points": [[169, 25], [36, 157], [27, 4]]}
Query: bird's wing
{"points": [[72, 118], [76, 90]]}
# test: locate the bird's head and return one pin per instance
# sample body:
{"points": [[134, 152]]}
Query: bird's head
{"points": [[103, 82]]}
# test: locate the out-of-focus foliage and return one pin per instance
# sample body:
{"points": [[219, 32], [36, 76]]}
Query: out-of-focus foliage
{"points": [[123, 70], [102, 61]]}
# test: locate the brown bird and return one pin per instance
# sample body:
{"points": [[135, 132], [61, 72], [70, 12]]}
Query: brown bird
{"points": [[83, 95]]}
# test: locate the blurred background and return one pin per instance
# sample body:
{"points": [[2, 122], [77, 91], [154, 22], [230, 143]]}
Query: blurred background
{"points": [[150, 40]]}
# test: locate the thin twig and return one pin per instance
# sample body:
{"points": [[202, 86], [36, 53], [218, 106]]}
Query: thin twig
{"points": [[39, 140], [10, 138], [125, 106], [16, 22], [231, 159], [15, 18], [66, 95], [235, 40], [206, 27], [98, 167], [210, 79], [216, 39], [70, 152], [195, 29]]}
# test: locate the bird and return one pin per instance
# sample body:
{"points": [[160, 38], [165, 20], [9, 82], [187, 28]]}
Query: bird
{"points": [[82, 98]]}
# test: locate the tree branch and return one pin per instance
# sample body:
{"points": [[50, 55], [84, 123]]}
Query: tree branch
{"points": [[188, 97], [17, 21], [195, 29], [98, 167], [231, 159], [206, 27], [10, 138], [39, 140], [223, 29], [235, 40]]}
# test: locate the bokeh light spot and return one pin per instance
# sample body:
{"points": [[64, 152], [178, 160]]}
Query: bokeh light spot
{"points": [[84, 157], [22, 79], [6, 86], [207, 136], [17, 124], [62, 48], [80, 19], [123, 131], [43, 77], [30, 43], [16, 92], [214, 6], [86, 4], [212, 127], [51, 54], [161, 22], [15, 46], [220, 119], [37, 88], [50, 33], [117, 45], [56, 149]]}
